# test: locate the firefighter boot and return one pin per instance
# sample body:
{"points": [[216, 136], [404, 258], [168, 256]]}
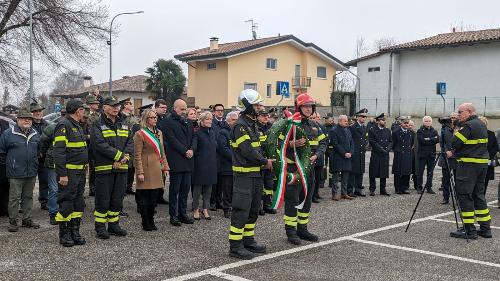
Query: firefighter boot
{"points": [[101, 232], [291, 233], [75, 232], [115, 229], [237, 250], [65, 238], [304, 234], [468, 232], [250, 244], [484, 230]]}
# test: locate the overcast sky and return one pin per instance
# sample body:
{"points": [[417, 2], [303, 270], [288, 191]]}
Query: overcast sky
{"points": [[170, 27]]}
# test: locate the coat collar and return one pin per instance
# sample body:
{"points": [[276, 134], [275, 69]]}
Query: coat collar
{"points": [[16, 130]]}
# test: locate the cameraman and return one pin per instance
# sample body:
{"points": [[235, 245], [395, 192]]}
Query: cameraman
{"points": [[447, 127], [427, 138], [469, 146]]}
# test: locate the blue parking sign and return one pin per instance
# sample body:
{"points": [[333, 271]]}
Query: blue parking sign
{"points": [[283, 88], [441, 88]]}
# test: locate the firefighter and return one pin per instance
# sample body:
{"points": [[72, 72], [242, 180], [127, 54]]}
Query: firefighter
{"points": [[248, 160], [469, 146], [93, 114], [296, 220], [71, 159], [263, 126], [112, 145]]}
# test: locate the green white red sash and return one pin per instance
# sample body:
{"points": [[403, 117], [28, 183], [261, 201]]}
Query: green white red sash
{"points": [[284, 177], [153, 141]]}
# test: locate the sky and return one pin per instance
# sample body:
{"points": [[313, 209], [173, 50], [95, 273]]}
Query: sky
{"points": [[169, 27]]}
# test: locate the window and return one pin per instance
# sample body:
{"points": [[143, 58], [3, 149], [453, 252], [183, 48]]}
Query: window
{"points": [[372, 69], [252, 86], [271, 64], [269, 92], [212, 65], [321, 72]]}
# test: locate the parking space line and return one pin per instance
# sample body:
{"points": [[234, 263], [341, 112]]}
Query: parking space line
{"points": [[229, 276], [436, 219], [425, 252]]}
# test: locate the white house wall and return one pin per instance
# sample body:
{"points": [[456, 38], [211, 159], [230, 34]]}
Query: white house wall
{"points": [[374, 86]]}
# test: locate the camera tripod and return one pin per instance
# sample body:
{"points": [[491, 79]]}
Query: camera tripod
{"points": [[453, 194]]}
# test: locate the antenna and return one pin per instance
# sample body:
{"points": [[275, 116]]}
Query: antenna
{"points": [[254, 28]]}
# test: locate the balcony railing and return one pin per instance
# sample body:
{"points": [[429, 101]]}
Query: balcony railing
{"points": [[301, 82]]}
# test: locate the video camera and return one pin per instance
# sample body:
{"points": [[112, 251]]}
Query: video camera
{"points": [[445, 121]]}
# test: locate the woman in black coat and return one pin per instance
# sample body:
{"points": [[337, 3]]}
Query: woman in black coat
{"points": [[205, 165], [492, 151]]}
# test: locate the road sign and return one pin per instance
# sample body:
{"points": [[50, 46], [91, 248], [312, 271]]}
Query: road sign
{"points": [[283, 88], [441, 88]]}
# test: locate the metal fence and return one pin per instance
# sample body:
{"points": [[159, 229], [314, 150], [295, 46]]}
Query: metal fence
{"points": [[486, 106]]}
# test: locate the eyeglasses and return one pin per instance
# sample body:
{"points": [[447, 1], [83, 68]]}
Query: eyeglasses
{"points": [[406, 123], [152, 117]]}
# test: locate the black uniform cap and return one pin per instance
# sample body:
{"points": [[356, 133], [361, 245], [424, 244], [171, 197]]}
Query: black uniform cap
{"points": [[381, 116], [362, 112], [73, 105]]}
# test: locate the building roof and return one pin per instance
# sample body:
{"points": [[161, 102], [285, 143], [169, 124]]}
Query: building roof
{"points": [[440, 41], [130, 84], [235, 48]]}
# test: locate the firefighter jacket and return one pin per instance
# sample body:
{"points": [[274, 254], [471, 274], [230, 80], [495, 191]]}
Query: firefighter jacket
{"points": [[69, 147], [247, 152], [110, 142], [470, 142]]}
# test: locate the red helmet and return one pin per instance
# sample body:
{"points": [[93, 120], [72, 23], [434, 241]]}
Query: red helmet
{"points": [[303, 99]]}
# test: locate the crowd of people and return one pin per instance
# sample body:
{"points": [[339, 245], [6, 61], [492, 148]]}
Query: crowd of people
{"points": [[220, 158]]}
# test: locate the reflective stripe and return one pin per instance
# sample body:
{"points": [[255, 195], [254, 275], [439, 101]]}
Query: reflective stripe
{"points": [[467, 141], [268, 191], [75, 167], [60, 138], [101, 220], [114, 219], [108, 133], [263, 138], [482, 212], [290, 221], [249, 233], [236, 230], [467, 214], [123, 167], [250, 225], [289, 161], [101, 215], [473, 160], [76, 144], [111, 213], [481, 219], [255, 144], [241, 139], [281, 137], [321, 137], [122, 133], [59, 217], [246, 169], [304, 215], [118, 155], [303, 221], [313, 142], [76, 215], [468, 220], [103, 168], [236, 237]]}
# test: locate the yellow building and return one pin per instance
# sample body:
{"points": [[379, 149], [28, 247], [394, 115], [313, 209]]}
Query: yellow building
{"points": [[218, 73]]}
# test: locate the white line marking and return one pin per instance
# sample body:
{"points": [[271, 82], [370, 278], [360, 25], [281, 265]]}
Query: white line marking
{"points": [[216, 270], [229, 276], [425, 252], [459, 223]]}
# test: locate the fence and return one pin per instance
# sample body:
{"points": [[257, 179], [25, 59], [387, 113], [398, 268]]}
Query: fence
{"points": [[486, 106]]}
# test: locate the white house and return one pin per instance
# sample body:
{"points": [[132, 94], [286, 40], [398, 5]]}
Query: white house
{"points": [[401, 80]]}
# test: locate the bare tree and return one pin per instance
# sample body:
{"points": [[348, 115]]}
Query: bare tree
{"points": [[64, 31], [6, 96], [461, 27], [344, 82], [384, 42], [361, 49], [69, 80]]}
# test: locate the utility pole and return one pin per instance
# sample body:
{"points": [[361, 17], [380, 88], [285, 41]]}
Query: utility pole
{"points": [[254, 28], [31, 49]]}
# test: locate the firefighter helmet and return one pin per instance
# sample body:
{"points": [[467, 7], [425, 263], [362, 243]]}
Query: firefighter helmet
{"points": [[247, 98]]}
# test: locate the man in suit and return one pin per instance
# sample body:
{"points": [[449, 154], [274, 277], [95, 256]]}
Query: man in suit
{"points": [[360, 138], [403, 140], [343, 148], [381, 142]]}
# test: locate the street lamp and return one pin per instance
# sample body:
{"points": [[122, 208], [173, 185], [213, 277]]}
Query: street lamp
{"points": [[110, 53]]}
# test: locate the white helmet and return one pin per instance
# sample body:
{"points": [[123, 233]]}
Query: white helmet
{"points": [[247, 98]]}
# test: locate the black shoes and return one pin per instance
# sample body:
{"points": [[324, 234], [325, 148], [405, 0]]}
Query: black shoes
{"points": [[372, 193], [175, 221], [100, 231], [360, 194], [269, 210], [304, 234], [13, 225], [227, 213], [384, 193], [250, 244], [75, 232], [65, 238], [115, 229], [44, 206], [130, 191], [162, 202], [30, 224], [469, 232], [52, 220], [123, 214], [445, 202], [315, 200], [291, 234], [430, 191], [261, 212], [405, 192], [186, 220], [237, 250]]}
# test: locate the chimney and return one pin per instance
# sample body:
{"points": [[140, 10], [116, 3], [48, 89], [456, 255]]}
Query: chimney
{"points": [[214, 44], [87, 81], [454, 30]]}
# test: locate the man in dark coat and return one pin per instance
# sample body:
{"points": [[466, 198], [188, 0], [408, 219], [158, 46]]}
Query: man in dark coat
{"points": [[403, 140], [160, 107], [381, 142], [343, 147], [180, 144], [39, 124], [328, 124], [217, 124], [427, 138], [360, 138], [4, 182]]}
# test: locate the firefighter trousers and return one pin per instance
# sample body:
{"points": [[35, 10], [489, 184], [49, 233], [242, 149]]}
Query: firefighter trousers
{"points": [[470, 180], [109, 191], [247, 192], [70, 196]]}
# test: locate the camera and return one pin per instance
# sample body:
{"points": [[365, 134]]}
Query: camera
{"points": [[445, 120]]}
